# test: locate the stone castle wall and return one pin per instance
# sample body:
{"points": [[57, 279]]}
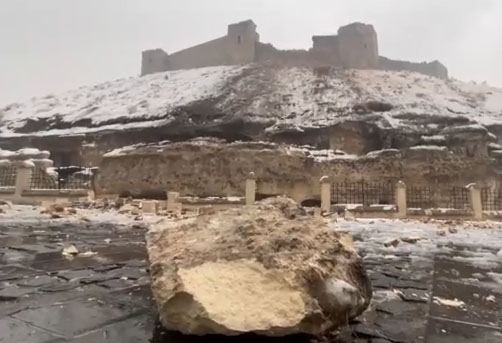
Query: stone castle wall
{"points": [[434, 68], [154, 61], [237, 47], [358, 46], [355, 46]]}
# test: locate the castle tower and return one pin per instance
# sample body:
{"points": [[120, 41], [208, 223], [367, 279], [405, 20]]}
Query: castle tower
{"points": [[326, 49], [358, 46], [241, 42], [154, 61]]}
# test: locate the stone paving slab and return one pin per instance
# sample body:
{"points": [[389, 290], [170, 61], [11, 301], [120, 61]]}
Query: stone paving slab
{"points": [[106, 297], [130, 330], [447, 331], [15, 331], [72, 318]]}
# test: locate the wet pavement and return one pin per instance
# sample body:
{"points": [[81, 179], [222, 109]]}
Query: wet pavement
{"points": [[102, 294], [445, 287], [47, 297]]}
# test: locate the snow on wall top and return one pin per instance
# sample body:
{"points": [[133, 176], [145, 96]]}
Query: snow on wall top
{"points": [[281, 97]]}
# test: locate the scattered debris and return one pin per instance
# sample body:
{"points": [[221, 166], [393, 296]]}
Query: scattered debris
{"points": [[88, 253], [394, 243], [448, 302], [491, 298], [411, 240], [70, 251]]}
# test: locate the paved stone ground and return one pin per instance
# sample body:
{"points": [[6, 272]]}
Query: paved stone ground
{"points": [[448, 264], [105, 297]]}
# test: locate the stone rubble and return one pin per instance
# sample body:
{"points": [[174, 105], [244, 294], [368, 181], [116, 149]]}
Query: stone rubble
{"points": [[270, 269]]}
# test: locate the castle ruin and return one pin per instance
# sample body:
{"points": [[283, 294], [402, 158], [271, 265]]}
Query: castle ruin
{"points": [[355, 46]]}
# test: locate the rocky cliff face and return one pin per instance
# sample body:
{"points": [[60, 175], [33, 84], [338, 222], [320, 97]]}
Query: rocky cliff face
{"points": [[257, 102], [357, 111], [215, 168]]}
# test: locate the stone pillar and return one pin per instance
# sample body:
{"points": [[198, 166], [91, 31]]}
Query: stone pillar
{"points": [[150, 207], [325, 195], [173, 202], [401, 199], [476, 203], [23, 180], [251, 189]]}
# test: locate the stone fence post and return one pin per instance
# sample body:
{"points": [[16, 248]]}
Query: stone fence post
{"points": [[150, 207], [402, 207], [476, 203], [251, 189], [23, 179], [325, 195], [173, 202]]}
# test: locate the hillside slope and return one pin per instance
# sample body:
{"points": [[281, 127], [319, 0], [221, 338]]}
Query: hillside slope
{"points": [[276, 99]]}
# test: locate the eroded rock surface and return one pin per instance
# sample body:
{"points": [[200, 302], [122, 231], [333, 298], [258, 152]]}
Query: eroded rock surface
{"points": [[208, 168], [269, 269]]}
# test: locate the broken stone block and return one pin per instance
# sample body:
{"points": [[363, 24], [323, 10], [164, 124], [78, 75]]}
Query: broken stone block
{"points": [[150, 207], [173, 203], [128, 208], [70, 250], [411, 239], [392, 243], [270, 269]]}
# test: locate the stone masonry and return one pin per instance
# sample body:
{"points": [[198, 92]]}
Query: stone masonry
{"points": [[355, 46]]}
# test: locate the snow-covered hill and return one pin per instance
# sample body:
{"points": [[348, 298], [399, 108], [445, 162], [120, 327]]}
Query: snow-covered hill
{"points": [[292, 98]]}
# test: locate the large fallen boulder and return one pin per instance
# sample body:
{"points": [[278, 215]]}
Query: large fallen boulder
{"points": [[270, 269]]}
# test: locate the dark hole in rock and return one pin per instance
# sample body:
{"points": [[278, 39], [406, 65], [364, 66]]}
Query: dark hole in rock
{"points": [[372, 106], [261, 196], [311, 203]]}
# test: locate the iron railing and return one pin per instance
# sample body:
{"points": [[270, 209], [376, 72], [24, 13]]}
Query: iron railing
{"points": [[426, 197], [367, 194], [491, 199], [419, 197], [459, 198], [8, 176], [64, 178]]}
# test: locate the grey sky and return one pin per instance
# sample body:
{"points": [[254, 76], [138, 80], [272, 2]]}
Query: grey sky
{"points": [[47, 46]]}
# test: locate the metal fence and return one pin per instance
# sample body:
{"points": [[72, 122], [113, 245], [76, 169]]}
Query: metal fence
{"points": [[425, 197], [459, 198], [8, 176], [364, 193], [419, 197], [491, 200], [64, 178]]}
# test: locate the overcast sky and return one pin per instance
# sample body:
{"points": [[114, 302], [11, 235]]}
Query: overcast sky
{"points": [[47, 46]]}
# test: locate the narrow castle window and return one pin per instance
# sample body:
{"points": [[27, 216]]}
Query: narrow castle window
{"points": [[239, 40]]}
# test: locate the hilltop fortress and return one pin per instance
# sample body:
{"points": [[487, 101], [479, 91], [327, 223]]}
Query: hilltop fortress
{"points": [[355, 46]]}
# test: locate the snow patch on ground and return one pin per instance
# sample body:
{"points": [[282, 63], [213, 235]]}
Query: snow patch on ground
{"points": [[481, 245], [449, 302]]}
